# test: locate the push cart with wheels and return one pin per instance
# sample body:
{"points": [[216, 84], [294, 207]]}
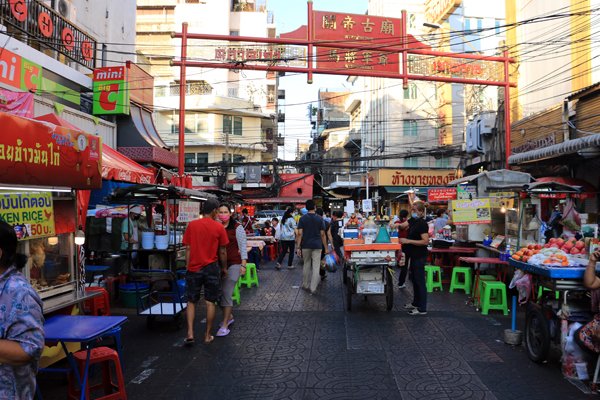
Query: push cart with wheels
{"points": [[368, 270], [564, 297]]}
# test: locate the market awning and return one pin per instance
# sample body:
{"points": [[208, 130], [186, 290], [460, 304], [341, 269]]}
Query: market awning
{"points": [[117, 167], [137, 129], [569, 147], [586, 189]]}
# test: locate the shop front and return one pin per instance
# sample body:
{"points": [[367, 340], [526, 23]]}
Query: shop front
{"points": [[42, 165]]}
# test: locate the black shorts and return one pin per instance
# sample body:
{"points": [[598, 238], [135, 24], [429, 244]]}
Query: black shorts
{"points": [[208, 277]]}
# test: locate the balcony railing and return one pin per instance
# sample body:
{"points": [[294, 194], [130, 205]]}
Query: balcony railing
{"points": [[192, 88]]}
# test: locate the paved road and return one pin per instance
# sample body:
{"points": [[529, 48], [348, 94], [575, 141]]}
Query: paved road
{"points": [[287, 344]]}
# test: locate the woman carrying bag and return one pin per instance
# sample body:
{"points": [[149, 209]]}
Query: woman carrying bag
{"points": [[287, 238]]}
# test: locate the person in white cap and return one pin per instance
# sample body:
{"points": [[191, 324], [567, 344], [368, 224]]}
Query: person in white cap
{"points": [[130, 232]]}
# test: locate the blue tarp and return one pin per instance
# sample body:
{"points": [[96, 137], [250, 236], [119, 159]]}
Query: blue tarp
{"points": [[98, 196]]}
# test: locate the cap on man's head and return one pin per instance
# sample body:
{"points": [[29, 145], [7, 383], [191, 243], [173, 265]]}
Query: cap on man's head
{"points": [[210, 205], [135, 210]]}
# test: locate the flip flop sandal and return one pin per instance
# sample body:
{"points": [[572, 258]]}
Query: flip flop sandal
{"points": [[212, 338], [188, 342], [222, 332], [231, 321]]}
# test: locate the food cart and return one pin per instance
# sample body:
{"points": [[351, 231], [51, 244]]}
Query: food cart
{"points": [[42, 166], [367, 269]]}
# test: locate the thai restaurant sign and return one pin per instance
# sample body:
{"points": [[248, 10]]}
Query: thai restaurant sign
{"points": [[437, 11], [43, 154], [30, 214], [111, 91], [476, 211]]}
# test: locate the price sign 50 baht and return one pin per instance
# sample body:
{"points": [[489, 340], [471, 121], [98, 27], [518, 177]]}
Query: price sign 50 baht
{"points": [[30, 214]]}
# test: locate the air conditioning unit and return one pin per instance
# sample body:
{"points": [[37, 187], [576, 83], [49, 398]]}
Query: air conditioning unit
{"points": [[66, 9], [474, 144]]}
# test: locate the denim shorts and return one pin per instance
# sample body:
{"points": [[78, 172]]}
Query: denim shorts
{"points": [[208, 277]]}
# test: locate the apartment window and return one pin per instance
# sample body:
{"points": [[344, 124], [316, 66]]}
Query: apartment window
{"points": [[234, 33], [201, 161], [411, 162], [442, 162], [227, 122], [497, 24], [479, 24], [190, 162], [409, 127], [410, 93], [237, 126], [236, 158], [467, 25]]}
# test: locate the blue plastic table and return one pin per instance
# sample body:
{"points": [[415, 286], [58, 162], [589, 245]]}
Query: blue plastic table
{"points": [[80, 328]]}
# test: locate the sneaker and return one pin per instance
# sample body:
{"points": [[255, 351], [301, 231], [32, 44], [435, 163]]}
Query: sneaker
{"points": [[278, 266], [409, 306], [403, 286], [415, 311], [291, 267]]}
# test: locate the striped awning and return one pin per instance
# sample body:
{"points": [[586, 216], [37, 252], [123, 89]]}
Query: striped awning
{"points": [[560, 149]]}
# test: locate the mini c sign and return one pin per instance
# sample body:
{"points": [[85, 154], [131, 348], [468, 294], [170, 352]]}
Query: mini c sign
{"points": [[111, 94]]}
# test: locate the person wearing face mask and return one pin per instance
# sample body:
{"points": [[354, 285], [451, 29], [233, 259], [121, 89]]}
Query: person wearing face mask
{"points": [[237, 255], [130, 233], [414, 247]]}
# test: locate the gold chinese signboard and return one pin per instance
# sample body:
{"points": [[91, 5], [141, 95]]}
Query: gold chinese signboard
{"points": [[412, 177], [288, 55], [464, 68]]}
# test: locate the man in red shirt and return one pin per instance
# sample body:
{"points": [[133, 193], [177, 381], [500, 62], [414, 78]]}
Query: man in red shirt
{"points": [[205, 240]]}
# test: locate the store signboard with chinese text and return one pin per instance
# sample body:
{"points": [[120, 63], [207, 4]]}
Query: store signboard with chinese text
{"points": [[285, 55], [43, 154], [111, 92], [30, 214], [476, 211], [441, 194], [188, 211], [40, 22]]}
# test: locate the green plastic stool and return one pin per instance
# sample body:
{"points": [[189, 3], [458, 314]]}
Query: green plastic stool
{"points": [[497, 302], [250, 277], [478, 290], [236, 293], [465, 283], [543, 289], [432, 271]]}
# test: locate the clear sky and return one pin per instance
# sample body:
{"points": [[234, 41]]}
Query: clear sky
{"points": [[290, 15]]}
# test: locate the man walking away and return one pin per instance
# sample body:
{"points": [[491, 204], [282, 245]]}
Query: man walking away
{"points": [[309, 241], [324, 250], [205, 240]]}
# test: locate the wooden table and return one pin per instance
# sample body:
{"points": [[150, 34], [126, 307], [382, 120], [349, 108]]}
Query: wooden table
{"points": [[476, 262]]}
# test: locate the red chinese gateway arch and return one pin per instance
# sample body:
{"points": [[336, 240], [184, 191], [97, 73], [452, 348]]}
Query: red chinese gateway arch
{"points": [[350, 44]]}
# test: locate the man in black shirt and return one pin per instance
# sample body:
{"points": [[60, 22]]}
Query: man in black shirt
{"points": [[310, 240], [415, 248]]}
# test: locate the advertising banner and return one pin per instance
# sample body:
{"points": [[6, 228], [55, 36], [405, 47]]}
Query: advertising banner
{"points": [[30, 214], [466, 192], [441, 194], [188, 211], [43, 154], [476, 211], [16, 103], [111, 91]]}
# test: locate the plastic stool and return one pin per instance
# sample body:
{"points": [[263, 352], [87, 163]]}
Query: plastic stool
{"points": [[543, 289], [456, 283], [103, 356], [477, 287], [99, 304], [236, 293], [494, 303], [250, 277], [432, 271], [273, 251]]}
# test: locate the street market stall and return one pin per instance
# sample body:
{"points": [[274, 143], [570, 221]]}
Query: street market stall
{"points": [[41, 167]]}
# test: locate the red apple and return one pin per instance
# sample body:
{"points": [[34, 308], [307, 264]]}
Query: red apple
{"points": [[560, 242], [579, 244], [552, 240], [574, 250], [567, 246]]}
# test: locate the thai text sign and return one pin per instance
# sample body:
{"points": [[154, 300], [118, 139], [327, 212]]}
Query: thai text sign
{"points": [[111, 93], [415, 177], [463, 68], [49, 28], [441, 194], [476, 211], [188, 211], [537, 143], [38, 153], [30, 214]]}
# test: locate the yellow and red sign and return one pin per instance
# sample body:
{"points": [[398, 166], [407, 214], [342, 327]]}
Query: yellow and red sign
{"points": [[411, 177], [441, 194], [30, 214], [43, 154], [476, 211], [111, 91]]}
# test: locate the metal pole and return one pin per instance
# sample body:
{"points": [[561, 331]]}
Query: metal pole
{"points": [[182, 85], [403, 32], [506, 108], [309, 51]]}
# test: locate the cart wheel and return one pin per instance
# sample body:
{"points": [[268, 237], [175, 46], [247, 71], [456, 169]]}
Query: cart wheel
{"points": [[349, 291], [537, 336], [389, 291], [150, 322], [345, 274]]}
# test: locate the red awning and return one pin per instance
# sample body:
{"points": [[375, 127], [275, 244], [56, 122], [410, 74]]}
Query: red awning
{"points": [[273, 200], [588, 189], [117, 167]]}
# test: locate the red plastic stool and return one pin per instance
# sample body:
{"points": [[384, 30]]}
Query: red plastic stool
{"points": [[99, 304], [273, 252], [102, 355]]}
